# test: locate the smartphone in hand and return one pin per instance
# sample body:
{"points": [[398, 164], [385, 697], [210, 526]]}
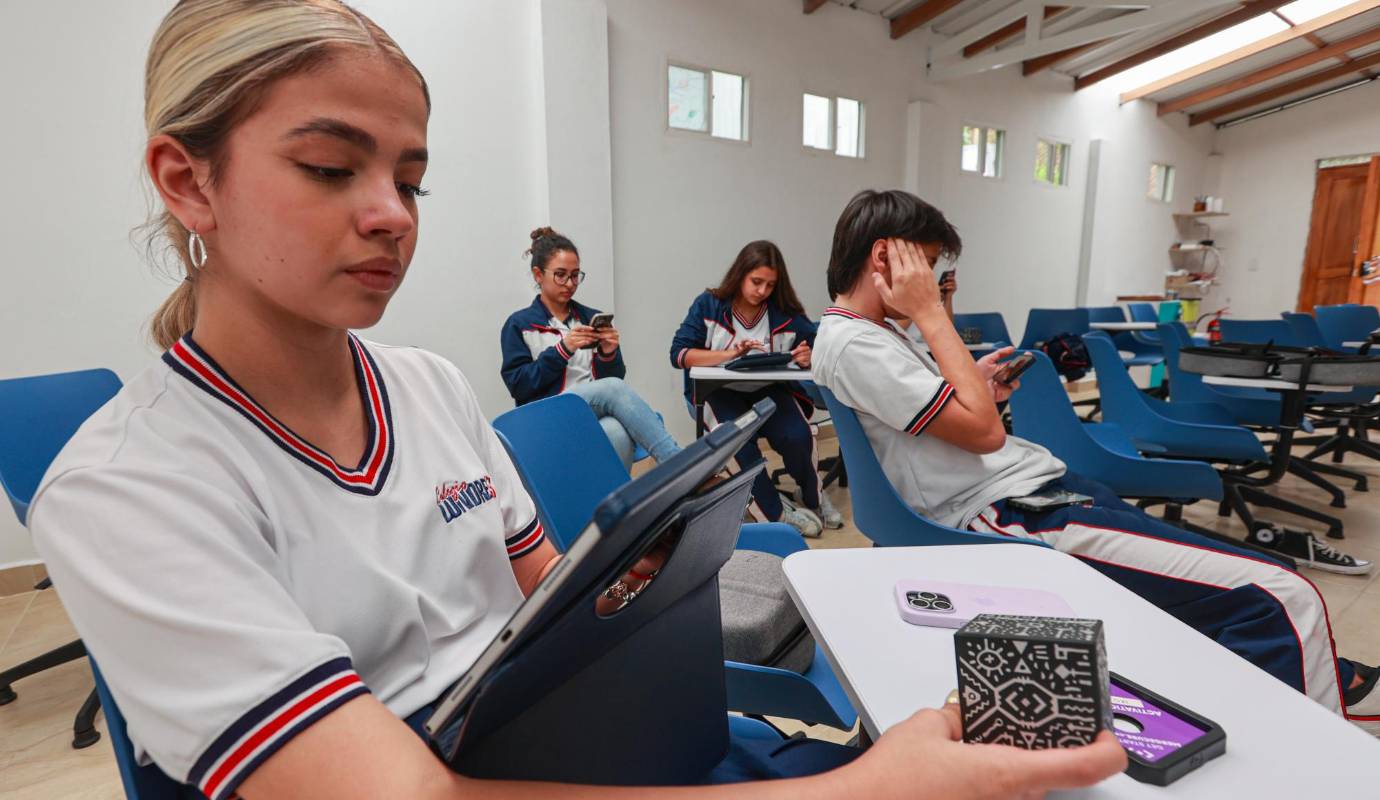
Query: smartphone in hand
{"points": [[603, 319], [1011, 370]]}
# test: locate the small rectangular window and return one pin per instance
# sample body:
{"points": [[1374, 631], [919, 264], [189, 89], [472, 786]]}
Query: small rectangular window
{"points": [[729, 106], [1161, 185], [707, 101], [687, 99], [818, 128], [833, 123], [1051, 162], [850, 128], [983, 151]]}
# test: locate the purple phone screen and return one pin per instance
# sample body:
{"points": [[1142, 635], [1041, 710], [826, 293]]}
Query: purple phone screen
{"points": [[1160, 732]]}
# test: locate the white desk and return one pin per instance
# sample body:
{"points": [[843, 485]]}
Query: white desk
{"points": [[703, 380], [1280, 744], [722, 375], [1123, 326], [1269, 383]]}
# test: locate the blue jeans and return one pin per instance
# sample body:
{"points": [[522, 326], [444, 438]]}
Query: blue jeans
{"points": [[626, 419]]}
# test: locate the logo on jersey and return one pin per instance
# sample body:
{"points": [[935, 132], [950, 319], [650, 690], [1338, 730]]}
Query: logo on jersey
{"points": [[454, 498]]}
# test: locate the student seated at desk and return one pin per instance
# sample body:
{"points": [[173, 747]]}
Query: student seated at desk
{"points": [[281, 542], [932, 420], [549, 348], [755, 309]]}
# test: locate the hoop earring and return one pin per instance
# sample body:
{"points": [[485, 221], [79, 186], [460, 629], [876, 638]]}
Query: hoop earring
{"points": [[196, 250]]}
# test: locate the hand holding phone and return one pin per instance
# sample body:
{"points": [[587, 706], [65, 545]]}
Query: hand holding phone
{"points": [[1012, 369]]}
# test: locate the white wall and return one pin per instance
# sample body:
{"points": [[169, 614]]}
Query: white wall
{"points": [[78, 293], [684, 204], [1269, 169]]}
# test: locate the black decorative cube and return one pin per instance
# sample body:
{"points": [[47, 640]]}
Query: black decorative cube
{"points": [[1032, 682]]}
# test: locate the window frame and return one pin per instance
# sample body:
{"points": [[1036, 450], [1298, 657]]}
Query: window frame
{"points": [[1056, 141], [708, 132], [983, 129], [833, 148], [1167, 183]]}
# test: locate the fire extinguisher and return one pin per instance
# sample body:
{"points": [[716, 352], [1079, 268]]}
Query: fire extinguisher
{"points": [[1214, 326]]}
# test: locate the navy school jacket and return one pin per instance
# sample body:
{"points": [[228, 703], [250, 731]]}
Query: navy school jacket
{"points": [[709, 325], [534, 360]]}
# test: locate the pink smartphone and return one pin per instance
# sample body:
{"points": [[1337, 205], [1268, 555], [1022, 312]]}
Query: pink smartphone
{"points": [[939, 604]]}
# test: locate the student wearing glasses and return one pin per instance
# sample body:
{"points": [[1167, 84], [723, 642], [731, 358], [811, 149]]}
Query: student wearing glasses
{"points": [[550, 347]]}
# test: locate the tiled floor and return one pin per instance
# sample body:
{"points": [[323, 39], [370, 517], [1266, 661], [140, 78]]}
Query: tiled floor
{"points": [[37, 761]]}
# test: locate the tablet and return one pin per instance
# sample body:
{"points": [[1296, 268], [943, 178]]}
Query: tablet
{"points": [[620, 520]]}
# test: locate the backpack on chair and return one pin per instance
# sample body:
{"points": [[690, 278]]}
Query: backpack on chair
{"points": [[1069, 354]]}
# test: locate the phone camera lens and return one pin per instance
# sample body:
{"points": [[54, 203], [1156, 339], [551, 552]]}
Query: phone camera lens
{"points": [[928, 595], [943, 605]]}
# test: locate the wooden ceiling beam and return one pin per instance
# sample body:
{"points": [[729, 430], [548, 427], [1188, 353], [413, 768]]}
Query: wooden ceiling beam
{"points": [[1247, 11], [1259, 46], [1334, 50], [1284, 89], [920, 16], [1004, 35], [811, 6]]}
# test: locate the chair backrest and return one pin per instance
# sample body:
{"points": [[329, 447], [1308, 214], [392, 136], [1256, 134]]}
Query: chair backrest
{"points": [[1120, 397], [140, 782], [1041, 412], [1305, 328], [991, 323], [37, 416], [1043, 323], [1259, 331], [878, 511], [1346, 323], [1143, 312], [1106, 314], [565, 459]]}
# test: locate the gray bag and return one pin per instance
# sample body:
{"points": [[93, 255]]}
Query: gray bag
{"points": [[761, 623]]}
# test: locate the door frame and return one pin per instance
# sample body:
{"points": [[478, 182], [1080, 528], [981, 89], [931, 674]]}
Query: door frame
{"points": [[1313, 252]]}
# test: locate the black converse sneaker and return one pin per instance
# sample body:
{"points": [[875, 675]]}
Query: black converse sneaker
{"points": [[1309, 551]]}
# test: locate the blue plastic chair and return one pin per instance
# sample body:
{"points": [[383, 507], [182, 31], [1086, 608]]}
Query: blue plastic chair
{"points": [[878, 511], [1305, 328], [1144, 353], [1042, 413], [1183, 431], [1042, 324], [1346, 323], [38, 415], [1247, 406], [564, 424], [990, 323]]}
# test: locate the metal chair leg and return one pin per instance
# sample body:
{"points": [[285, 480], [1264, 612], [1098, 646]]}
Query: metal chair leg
{"points": [[68, 652], [1302, 470]]}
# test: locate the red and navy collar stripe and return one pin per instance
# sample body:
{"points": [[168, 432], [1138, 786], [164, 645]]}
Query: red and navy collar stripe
{"points": [[926, 415], [850, 315], [194, 364], [251, 739], [525, 540], [750, 324]]}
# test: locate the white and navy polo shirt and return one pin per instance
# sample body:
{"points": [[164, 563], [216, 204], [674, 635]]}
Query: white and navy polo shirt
{"points": [[897, 391], [235, 583]]}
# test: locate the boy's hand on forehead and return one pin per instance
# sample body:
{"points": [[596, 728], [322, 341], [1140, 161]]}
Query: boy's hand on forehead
{"points": [[912, 289]]}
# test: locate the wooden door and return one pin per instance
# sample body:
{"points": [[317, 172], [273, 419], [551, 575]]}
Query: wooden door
{"points": [[1334, 236], [1367, 290]]}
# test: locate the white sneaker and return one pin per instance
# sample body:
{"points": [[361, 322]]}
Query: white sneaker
{"points": [[831, 517], [1363, 702], [804, 521]]}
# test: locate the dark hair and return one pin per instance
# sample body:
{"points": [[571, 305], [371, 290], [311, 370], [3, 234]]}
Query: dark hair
{"points": [[760, 253], [546, 242], [892, 214]]}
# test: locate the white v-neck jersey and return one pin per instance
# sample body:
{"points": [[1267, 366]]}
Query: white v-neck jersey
{"points": [[236, 584]]}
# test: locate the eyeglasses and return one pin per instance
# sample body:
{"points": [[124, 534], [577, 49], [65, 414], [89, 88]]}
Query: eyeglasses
{"points": [[569, 278]]}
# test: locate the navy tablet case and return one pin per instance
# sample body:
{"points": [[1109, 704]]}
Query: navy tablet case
{"points": [[636, 698]]}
